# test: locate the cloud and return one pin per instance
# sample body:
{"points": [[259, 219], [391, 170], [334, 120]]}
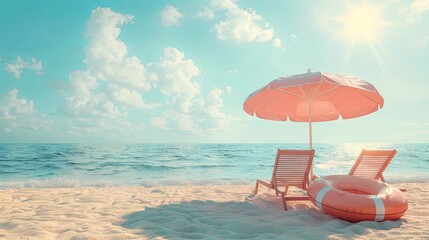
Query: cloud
{"points": [[277, 42], [228, 90], [19, 114], [213, 106], [176, 77], [159, 122], [113, 80], [84, 101], [240, 25], [15, 68], [223, 4], [129, 98], [205, 116], [107, 57], [415, 11], [190, 112], [207, 13], [171, 16], [99, 97], [419, 7], [15, 107]]}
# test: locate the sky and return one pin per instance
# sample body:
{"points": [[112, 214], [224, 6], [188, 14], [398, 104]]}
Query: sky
{"points": [[179, 71]]}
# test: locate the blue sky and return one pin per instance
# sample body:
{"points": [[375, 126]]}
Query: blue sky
{"points": [[179, 71]]}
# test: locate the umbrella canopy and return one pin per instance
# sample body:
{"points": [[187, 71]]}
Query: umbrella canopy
{"points": [[314, 97]]}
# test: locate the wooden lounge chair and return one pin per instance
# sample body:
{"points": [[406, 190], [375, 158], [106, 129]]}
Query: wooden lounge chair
{"points": [[372, 163], [292, 168]]}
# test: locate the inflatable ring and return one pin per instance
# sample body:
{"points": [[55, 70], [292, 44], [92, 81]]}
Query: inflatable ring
{"points": [[357, 199]]}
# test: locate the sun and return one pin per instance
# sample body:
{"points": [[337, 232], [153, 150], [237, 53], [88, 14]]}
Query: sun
{"points": [[361, 23]]}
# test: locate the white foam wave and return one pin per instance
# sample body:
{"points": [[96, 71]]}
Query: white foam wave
{"points": [[201, 182], [408, 179], [56, 182], [67, 182]]}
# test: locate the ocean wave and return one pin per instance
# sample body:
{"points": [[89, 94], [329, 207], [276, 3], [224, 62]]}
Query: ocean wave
{"points": [[57, 182], [181, 164], [408, 179], [66, 182]]}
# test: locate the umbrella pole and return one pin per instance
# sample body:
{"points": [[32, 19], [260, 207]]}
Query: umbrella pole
{"points": [[310, 108], [311, 140]]}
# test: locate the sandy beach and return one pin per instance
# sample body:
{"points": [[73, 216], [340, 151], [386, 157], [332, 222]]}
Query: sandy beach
{"points": [[189, 212]]}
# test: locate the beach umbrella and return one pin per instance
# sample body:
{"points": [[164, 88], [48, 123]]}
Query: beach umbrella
{"points": [[314, 97]]}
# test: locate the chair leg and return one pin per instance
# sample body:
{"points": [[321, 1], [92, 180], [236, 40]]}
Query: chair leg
{"points": [[256, 187], [284, 201], [286, 189], [283, 194]]}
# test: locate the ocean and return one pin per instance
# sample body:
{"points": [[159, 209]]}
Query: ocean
{"points": [[103, 165]]}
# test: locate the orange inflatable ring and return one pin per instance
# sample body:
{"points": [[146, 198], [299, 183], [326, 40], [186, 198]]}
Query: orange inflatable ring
{"points": [[357, 199]]}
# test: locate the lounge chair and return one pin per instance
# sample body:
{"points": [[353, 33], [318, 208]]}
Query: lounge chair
{"points": [[372, 163], [292, 168]]}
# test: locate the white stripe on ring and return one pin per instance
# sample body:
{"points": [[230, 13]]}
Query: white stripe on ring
{"points": [[321, 195], [379, 209]]}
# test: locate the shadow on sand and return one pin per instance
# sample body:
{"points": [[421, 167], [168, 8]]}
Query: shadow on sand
{"points": [[244, 220]]}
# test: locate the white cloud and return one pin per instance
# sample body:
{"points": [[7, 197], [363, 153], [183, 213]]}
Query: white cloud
{"points": [[106, 129], [129, 98], [175, 77], [277, 42], [159, 122], [207, 13], [15, 68], [100, 97], [223, 4], [204, 117], [84, 101], [415, 11], [16, 107], [419, 7], [228, 90], [107, 57], [19, 114], [240, 25], [213, 106], [190, 112], [113, 81], [171, 16]]}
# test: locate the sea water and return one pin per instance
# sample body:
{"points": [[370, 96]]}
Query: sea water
{"points": [[75, 165]]}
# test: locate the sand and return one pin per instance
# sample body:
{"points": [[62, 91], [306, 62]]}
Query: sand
{"points": [[190, 212]]}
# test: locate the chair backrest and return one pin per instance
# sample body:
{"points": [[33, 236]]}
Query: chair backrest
{"points": [[292, 168], [372, 163]]}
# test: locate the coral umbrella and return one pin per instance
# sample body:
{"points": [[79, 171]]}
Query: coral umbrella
{"points": [[314, 97]]}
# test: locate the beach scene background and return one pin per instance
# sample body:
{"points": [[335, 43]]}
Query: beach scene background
{"points": [[125, 119]]}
